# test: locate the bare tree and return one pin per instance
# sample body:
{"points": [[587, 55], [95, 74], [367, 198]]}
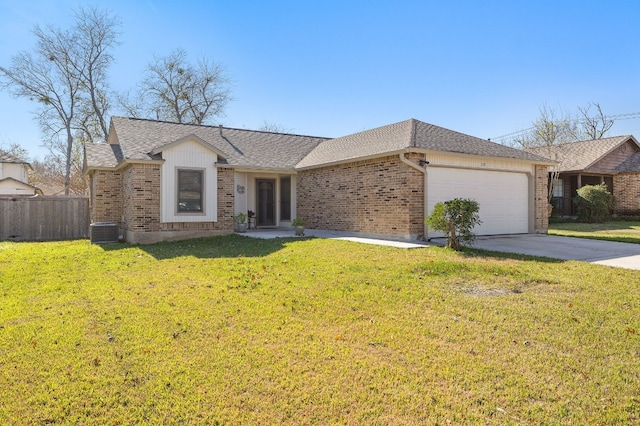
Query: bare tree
{"points": [[66, 75], [594, 126], [14, 149], [549, 129], [273, 127], [175, 90], [47, 80], [48, 174]]}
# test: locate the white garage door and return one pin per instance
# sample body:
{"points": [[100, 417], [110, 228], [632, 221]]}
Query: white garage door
{"points": [[503, 197]]}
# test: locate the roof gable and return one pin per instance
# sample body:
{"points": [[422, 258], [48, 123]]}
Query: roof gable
{"points": [[590, 154], [369, 143], [631, 164], [409, 134], [23, 185], [188, 138], [144, 140], [435, 138]]}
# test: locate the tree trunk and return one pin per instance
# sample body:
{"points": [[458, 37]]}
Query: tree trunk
{"points": [[67, 172], [452, 238]]}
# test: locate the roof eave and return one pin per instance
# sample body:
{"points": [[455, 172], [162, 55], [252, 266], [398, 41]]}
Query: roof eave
{"points": [[253, 169], [424, 151], [122, 165], [129, 161], [35, 188], [87, 170], [590, 171], [189, 137], [353, 159], [542, 161]]}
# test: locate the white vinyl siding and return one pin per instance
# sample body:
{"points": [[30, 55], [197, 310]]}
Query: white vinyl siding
{"points": [[13, 170], [12, 187], [188, 156], [503, 197], [19, 172]]}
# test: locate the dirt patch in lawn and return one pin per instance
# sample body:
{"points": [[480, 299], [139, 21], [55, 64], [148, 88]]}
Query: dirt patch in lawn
{"points": [[489, 292]]}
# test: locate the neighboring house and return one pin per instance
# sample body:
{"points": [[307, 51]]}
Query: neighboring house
{"points": [[614, 161], [14, 177], [163, 181]]}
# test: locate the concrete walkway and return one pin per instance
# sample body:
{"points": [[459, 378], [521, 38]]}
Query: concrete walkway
{"points": [[621, 255], [335, 235]]}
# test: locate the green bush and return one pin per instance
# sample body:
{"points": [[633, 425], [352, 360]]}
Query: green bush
{"points": [[456, 218], [594, 203]]}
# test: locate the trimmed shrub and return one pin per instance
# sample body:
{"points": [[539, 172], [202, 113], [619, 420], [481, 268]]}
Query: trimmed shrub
{"points": [[456, 218], [594, 203]]}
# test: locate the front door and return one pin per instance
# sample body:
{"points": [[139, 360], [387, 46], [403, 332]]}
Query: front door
{"points": [[266, 206]]}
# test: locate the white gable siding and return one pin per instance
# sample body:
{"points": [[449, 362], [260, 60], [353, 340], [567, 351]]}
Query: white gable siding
{"points": [[188, 155], [11, 187], [16, 171]]}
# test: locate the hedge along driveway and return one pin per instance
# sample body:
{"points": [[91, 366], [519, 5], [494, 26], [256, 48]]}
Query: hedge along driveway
{"points": [[610, 253]]}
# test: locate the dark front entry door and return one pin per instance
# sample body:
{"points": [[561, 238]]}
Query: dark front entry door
{"points": [[266, 208]]}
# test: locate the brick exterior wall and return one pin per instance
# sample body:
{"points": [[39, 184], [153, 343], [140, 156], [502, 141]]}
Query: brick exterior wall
{"points": [[131, 197], [105, 196], [626, 191], [541, 202], [141, 198], [382, 196]]}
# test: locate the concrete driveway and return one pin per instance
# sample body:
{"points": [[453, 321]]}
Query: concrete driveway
{"points": [[621, 255]]}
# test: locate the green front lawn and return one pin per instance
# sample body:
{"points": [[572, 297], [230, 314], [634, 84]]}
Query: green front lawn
{"points": [[234, 331], [626, 232]]}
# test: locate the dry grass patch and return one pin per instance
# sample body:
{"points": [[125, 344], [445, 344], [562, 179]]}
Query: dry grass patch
{"points": [[238, 331]]}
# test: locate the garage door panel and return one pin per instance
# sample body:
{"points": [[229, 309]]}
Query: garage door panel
{"points": [[503, 197]]}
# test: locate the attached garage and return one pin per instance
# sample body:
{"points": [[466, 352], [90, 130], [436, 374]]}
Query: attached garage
{"points": [[385, 181], [503, 196]]}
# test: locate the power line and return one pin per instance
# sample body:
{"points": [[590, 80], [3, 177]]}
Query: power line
{"points": [[626, 116]]}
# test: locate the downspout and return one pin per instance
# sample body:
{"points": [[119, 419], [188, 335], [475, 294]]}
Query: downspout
{"points": [[422, 170]]}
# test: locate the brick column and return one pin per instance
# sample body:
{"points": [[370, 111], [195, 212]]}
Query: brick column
{"points": [[541, 202]]}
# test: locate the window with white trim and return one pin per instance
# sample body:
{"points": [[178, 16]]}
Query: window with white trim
{"points": [[190, 191]]}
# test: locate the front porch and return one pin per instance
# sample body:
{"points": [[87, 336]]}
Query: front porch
{"points": [[267, 197], [566, 187]]}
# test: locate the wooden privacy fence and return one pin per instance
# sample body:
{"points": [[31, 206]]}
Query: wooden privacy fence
{"points": [[44, 218]]}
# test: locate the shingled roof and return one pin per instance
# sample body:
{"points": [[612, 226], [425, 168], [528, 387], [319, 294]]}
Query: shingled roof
{"points": [[5, 157], [144, 140], [583, 155], [405, 135], [631, 164]]}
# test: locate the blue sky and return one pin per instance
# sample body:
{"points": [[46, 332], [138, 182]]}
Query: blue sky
{"points": [[330, 68]]}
